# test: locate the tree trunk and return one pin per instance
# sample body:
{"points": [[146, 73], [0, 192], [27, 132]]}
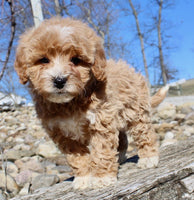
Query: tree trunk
{"points": [[161, 57], [37, 12], [58, 9], [141, 41]]}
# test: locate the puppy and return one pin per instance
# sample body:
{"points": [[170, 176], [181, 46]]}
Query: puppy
{"points": [[87, 104]]}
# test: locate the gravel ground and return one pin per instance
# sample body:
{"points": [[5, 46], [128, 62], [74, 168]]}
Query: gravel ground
{"points": [[179, 100], [33, 161]]}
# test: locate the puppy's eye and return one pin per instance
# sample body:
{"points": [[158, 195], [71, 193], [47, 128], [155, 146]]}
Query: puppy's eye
{"points": [[44, 60], [75, 60]]}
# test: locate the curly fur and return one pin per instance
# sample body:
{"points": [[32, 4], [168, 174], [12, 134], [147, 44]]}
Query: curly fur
{"points": [[99, 104]]}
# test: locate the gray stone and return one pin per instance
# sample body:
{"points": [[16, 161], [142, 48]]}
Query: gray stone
{"points": [[166, 111], [25, 189], [23, 177], [13, 154], [44, 181], [2, 197], [188, 131], [11, 184], [169, 135], [12, 169], [62, 169], [32, 164], [190, 116], [189, 183], [48, 149], [168, 142], [186, 108]]}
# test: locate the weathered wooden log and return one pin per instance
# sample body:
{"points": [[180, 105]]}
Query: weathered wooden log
{"points": [[172, 180]]}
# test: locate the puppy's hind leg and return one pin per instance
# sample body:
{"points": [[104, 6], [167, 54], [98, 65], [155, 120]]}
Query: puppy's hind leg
{"points": [[146, 142]]}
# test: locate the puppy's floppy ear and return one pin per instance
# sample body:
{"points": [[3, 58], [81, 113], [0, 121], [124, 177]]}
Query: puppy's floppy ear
{"points": [[20, 65], [98, 68], [22, 53]]}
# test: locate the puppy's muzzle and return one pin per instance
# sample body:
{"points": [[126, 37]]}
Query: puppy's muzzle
{"points": [[59, 82]]}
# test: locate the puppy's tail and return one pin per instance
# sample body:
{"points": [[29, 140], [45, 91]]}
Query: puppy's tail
{"points": [[159, 96]]}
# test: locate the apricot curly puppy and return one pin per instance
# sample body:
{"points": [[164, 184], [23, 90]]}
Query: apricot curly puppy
{"points": [[86, 104]]}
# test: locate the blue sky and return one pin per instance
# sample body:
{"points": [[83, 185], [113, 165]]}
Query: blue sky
{"points": [[180, 28], [183, 57]]}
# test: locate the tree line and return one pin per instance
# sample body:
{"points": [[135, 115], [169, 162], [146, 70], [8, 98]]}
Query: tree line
{"points": [[131, 30]]}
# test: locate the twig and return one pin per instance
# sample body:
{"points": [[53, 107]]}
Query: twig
{"points": [[13, 29], [4, 167], [89, 19]]}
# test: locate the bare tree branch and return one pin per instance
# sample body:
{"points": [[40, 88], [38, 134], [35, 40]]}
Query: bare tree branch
{"points": [[13, 29], [66, 9], [141, 41], [161, 57], [89, 19], [58, 8]]}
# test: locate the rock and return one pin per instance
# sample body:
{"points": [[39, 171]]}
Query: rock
{"points": [[13, 154], [11, 184], [190, 119], [48, 149], [25, 189], [166, 111], [190, 122], [190, 116], [12, 169], [19, 140], [169, 135], [188, 131], [58, 170], [179, 117], [44, 181], [48, 164], [168, 142], [63, 176], [51, 171], [189, 183], [155, 119], [186, 107], [23, 147], [58, 160], [3, 136], [32, 164], [62, 169], [23, 177], [168, 139], [164, 127], [9, 120], [39, 134], [21, 128], [2, 197]]}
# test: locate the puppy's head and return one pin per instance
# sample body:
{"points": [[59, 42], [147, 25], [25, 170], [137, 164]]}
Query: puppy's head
{"points": [[59, 58]]}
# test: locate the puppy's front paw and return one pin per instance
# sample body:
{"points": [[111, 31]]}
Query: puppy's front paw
{"points": [[81, 182], [148, 162], [99, 182]]}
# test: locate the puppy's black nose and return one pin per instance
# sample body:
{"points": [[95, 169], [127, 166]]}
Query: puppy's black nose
{"points": [[59, 82]]}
